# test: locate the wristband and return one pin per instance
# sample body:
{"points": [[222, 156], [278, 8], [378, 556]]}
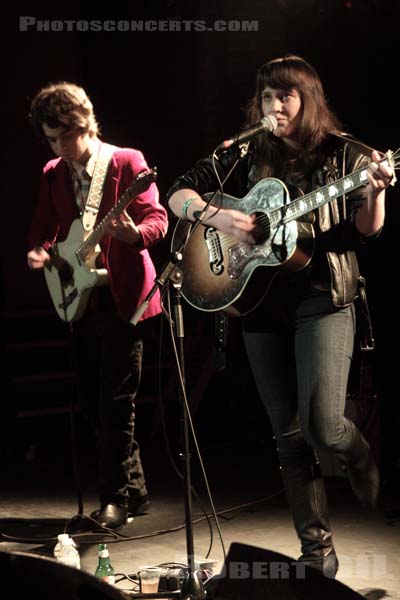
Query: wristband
{"points": [[185, 207]]}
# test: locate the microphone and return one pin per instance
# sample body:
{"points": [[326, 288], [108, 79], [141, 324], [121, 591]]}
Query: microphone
{"points": [[266, 124]]}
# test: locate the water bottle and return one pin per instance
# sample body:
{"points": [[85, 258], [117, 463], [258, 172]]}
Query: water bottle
{"points": [[104, 570], [57, 548], [66, 551]]}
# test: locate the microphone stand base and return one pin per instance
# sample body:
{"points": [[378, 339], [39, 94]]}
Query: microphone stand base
{"points": [[193, 588]]}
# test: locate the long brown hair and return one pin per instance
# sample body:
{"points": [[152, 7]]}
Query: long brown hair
{"points": [[316, 119]]}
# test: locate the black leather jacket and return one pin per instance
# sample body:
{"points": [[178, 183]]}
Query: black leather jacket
{"points": [[335, 230]]}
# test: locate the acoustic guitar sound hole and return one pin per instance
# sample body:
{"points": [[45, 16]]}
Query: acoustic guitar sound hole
{"points": [[262, 230]]}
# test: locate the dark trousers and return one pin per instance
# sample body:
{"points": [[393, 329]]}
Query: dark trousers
{"points": [[109, 357]]}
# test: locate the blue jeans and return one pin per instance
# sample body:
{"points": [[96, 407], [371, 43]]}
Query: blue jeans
{"points": [[300, 358]]}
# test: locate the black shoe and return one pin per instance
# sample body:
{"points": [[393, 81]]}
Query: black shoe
{"points": [[138, 506], [111, 516]]}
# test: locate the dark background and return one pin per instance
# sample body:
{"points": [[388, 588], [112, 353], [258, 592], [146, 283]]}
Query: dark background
{"points": [[175, 96]]}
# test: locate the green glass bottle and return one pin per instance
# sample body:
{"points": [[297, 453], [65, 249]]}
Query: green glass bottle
{"points": [[104, 570]]}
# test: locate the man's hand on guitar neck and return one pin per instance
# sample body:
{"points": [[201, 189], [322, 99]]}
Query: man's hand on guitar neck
{"points": [[38, 257], [123, 228]]}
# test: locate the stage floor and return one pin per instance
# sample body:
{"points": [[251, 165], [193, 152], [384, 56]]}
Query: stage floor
{"points": [[39, 494]]}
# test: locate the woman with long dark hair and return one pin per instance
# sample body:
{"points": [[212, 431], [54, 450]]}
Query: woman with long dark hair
{"points": [[300, 337]]}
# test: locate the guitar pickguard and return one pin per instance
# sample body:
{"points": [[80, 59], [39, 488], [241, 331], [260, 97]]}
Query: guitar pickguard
{"points": [[68, 278], [278, 243]]}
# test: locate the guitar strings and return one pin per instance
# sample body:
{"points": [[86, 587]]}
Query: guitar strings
{"points": [[275, 217]]}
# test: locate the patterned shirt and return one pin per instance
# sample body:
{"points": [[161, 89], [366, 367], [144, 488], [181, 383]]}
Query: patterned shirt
{"points": [[82, 176]]}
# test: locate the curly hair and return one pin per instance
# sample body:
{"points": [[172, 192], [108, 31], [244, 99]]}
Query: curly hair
{"points": [[63, 104]]}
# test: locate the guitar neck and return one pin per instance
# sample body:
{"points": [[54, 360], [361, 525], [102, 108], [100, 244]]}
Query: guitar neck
{"points": [[305, 204], [96, 235]]}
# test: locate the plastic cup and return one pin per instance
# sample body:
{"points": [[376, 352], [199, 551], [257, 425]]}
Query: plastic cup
{"points": [[149, 579]]}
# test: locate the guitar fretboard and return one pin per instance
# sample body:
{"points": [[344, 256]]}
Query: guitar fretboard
{"points": [[141, 183], [305, 204]]}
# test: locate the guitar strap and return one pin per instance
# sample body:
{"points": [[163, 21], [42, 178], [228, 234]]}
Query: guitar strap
{"points": [[353, 141], [365, 149], [96, 187]]}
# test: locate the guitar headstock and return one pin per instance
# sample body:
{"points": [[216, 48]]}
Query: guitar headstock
{"points": [[393, 160], [146, 178], [140, 184]]}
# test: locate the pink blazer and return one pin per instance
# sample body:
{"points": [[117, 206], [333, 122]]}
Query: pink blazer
{"points": [[130, 269]]}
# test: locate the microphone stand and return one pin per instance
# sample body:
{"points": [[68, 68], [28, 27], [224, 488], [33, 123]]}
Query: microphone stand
{"points": [[192, 587]]}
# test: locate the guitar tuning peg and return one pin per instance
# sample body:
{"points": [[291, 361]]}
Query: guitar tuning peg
{"points": [[391, 163]]}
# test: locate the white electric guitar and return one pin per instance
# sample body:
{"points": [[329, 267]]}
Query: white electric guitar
{"points": [[72, 274]]}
